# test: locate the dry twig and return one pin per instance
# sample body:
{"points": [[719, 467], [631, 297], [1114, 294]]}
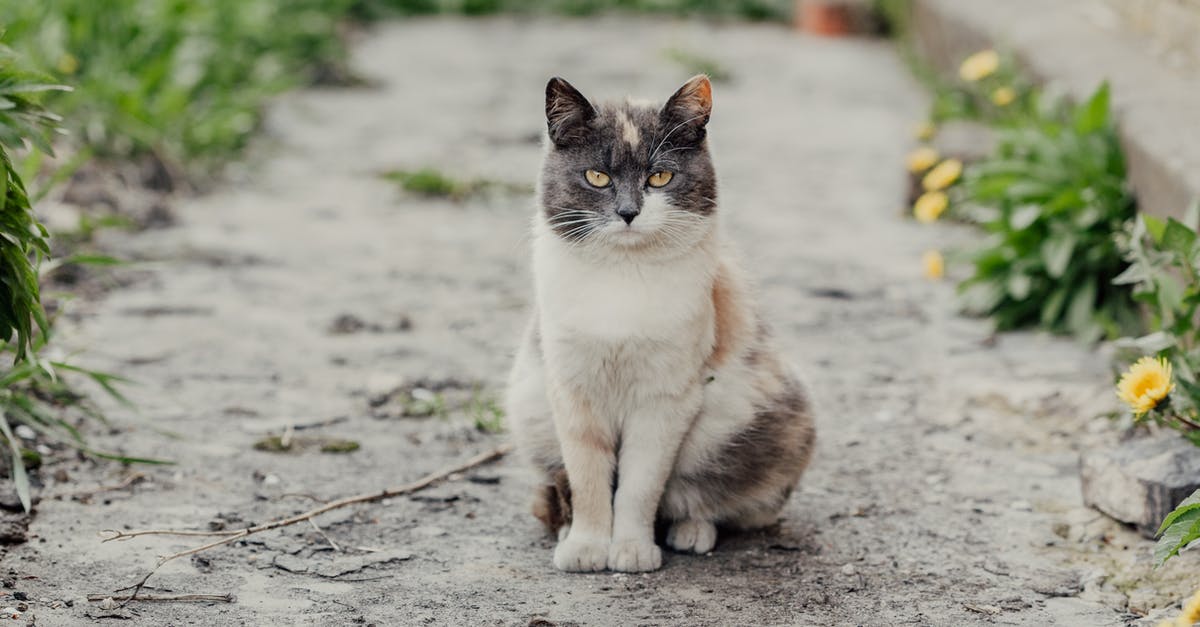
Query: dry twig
{"points": [[233, 535], [86, 494], [224, 598], [324, 535]]}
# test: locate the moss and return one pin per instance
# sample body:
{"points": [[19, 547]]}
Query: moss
{"points": [[339, 446]]}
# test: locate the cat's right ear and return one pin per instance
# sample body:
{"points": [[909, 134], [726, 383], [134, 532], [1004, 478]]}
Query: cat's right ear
{"points": [[568, 113]]}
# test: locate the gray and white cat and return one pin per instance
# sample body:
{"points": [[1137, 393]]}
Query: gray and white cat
{"points": [[646, 387]]}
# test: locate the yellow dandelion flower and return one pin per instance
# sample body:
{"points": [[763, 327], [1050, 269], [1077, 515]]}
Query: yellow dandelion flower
{"points": [[924, 131], [1191, 611], [921, 159], [1189, 616], [935, 265], [979, 65], [943, 175], [1145, 384], [929, 206], [1003, 96]]}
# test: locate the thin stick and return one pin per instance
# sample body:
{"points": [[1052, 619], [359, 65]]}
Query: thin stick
{"points": [[285, 441], [1187, 422], [229, 536], [125, 483], [324, 535], [224, 598]]}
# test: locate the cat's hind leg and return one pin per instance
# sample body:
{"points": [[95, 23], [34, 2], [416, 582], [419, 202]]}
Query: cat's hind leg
{"points": [[693, 535]]}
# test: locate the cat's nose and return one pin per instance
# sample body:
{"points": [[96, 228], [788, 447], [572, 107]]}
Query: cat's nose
{"points": [[628, 213]]}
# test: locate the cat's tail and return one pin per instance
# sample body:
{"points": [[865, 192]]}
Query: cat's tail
{"points": [[552, 501]]}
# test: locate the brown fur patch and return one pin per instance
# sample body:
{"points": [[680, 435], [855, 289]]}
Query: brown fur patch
{"points": [[552, 502], [729, 318]]}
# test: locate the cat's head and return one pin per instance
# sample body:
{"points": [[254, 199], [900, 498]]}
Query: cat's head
{"points": [[626, 175]]}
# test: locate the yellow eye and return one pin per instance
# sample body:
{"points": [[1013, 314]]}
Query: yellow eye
{"points": [[597, 179], [658, 179]]}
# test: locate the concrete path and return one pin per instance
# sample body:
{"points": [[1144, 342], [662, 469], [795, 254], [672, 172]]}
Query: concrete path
{"points": [[944, 491]]}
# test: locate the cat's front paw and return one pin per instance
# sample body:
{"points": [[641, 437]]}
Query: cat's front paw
{"points": [[692, 536], [634, 556], [581, 554]]}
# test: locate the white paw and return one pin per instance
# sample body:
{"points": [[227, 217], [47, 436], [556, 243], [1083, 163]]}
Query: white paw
{"points": [[581, 554], [696, 536], [634, 556]]}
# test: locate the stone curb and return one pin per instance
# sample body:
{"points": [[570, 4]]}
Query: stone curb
{"points": [[1141, 480], [1075, 44]]}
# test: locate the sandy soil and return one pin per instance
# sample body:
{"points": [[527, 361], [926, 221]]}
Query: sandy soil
{"points": [[945, 487]]}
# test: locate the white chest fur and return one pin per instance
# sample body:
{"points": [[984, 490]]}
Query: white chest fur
{"points": [[612, 300]]}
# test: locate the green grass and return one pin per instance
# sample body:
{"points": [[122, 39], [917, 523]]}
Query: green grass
{"points": [[485, 413], [433, 183], [179, 79], [696, 63]]}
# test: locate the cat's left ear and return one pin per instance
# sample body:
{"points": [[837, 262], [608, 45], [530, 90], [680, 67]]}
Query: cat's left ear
{"points": [[568, 113], [690, 107]]}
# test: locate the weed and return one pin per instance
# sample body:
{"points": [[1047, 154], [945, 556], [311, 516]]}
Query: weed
{"points": [[485, 412], [433, 183], [696, 63]]}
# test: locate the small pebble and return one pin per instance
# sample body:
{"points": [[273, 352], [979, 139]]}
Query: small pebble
{"points": [[25, 432], [108, 604], [421, 394], [848, 569], [1022, 506], [270, 480]]}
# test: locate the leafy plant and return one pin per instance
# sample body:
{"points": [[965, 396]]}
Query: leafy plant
{"points": [[1051, 197], [1178, 529], [1164, 271], [23, 241], [179, 79], [30, 389], [433, 183]]}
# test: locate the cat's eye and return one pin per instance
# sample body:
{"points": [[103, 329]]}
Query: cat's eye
{"points": [[658, 179], [597, 179]]}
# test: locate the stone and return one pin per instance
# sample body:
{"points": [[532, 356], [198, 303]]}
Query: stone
{"points": [[1140, 481], [291, 563]]}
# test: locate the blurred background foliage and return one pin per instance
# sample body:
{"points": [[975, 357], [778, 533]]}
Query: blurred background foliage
{"points": [[186, 80]]}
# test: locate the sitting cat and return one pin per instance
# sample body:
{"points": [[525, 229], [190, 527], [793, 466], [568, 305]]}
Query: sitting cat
{"points": [[646, 387]]}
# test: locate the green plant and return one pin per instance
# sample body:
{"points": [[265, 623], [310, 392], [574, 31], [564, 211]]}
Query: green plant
{"points": [[434, 184], [1164, 271], [1178, 529], [988, 88], [23, 241], [695, 63], [180, 79], [1051, 197], [31, 392], [486, 413]]}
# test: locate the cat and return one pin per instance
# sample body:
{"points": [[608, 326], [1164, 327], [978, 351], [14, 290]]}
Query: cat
{"points": [[646, 387]]}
